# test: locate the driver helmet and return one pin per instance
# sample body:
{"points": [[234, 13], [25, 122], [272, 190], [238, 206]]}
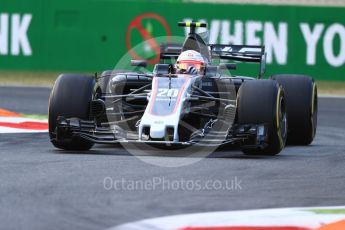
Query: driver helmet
{"points": [[190, 62]]}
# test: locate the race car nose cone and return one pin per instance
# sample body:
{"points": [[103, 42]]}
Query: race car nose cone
{"points": [[157, 131]]}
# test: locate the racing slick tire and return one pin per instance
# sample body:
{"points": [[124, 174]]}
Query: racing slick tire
{"points": [[301, 107], [263, 102], [70, 97]]}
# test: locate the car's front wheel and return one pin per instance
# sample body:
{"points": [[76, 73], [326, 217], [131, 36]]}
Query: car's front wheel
{"points": [[301, 106], [70, 97], [263, 102]]}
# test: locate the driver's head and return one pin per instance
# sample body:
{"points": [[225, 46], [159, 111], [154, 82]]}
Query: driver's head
{"points": [[190, 62]]}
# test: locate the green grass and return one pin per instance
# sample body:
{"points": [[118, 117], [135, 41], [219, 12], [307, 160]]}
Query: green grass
{"points": [[328, 211], [30, 78], [331, 87], [36, 116]]}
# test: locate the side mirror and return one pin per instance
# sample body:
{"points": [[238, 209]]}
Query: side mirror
{"points": [[162, 69], [228, 66], [262, 65], [139, 63], [211, 71]]}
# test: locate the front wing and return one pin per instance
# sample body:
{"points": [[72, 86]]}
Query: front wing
{"points": [[249, 135]]}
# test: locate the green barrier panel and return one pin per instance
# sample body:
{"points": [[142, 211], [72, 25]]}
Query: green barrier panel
{"points": [[92, 35]]}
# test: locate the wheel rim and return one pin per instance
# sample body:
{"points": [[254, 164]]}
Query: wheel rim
{"points": [[281, 119], [314, 109]]}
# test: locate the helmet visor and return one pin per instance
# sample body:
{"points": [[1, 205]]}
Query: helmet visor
{"points": [[186, 64]]}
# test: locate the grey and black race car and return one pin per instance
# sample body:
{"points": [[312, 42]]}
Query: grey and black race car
{"points": [[191, 98]]}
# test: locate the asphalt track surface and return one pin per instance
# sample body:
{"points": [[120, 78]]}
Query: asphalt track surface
{"points": [[44, 188]]}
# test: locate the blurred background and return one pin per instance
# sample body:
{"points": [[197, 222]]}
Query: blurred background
{"points": [[41, 38]]}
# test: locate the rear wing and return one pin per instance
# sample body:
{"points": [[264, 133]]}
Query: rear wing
{"points": [[240, 53]]}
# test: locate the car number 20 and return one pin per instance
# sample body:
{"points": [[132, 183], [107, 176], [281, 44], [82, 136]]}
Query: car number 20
{"points": [[167, 92]]}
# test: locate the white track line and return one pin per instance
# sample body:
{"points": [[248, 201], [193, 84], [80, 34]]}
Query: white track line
{"points": [[17, 120], [297, 217]]}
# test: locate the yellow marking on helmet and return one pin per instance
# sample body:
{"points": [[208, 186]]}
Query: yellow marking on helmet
{"points": [[198, 24], [188, 24]]}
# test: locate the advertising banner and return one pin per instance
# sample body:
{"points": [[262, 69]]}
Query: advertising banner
{"points": [[90, 35]]}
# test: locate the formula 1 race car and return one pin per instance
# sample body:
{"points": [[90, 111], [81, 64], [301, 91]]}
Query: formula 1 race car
{"points": [[197, 101]]}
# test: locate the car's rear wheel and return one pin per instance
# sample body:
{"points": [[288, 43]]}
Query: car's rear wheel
{"points": [[301, 106], [107, 75], [104, 79], [70, 97], [263, 102]]}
